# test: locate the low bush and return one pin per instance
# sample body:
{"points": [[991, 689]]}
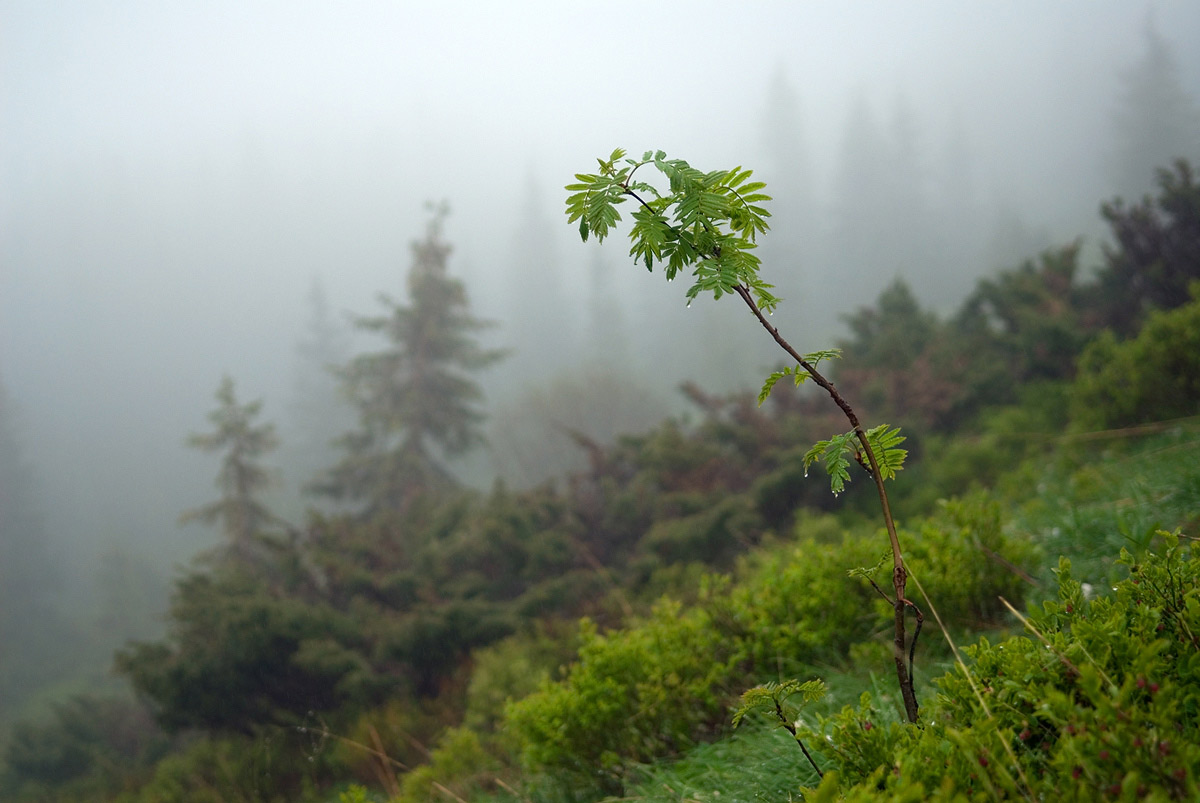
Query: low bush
{"points": [[660, 685], [89, 747], [240, 770], [966, 561], [459, 764], [633, 695], [1153, 377], [1100, 702], [510, 670], [798, 606]]}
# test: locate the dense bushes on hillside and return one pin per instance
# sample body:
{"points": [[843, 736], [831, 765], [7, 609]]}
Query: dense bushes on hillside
{"points": [[1152, 377], [652, 689], [1029, 324], [387, 628], [1100, 700]]}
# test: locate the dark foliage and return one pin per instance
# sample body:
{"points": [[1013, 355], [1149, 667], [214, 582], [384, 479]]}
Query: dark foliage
{"points": [[86, 744], [1156, 252]]}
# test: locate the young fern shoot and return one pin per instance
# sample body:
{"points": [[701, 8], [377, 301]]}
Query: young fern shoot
{"points": [[708, 223]]}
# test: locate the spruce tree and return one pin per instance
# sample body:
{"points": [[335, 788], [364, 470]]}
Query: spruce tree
{"points": [[416, 401], [1156, 253], [860, 192], [238, 511]]}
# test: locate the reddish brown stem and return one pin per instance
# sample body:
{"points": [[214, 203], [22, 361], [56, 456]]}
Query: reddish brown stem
{"points": [[899, 573]]}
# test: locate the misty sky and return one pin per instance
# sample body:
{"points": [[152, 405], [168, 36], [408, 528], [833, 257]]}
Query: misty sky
{"points": [[173, 175]]}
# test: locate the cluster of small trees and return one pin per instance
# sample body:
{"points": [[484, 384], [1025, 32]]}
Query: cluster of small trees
{"points": [[1028, 324]]}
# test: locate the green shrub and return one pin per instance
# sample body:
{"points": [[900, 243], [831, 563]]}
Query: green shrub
{"points": [[1153, 377], [713, 536], [282, 767], [653, 689], [635, 694], [656, 687], [458, 764], [799, 606], [90, 746], [966, 562], [510, 670], [240, 656], [1102, 702]]}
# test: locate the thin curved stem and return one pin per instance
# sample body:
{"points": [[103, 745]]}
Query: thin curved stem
{"points": [[899, 573], [791, 728]]}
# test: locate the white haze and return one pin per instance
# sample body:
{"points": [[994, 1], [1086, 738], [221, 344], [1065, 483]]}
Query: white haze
{"points": [[173, 176]]}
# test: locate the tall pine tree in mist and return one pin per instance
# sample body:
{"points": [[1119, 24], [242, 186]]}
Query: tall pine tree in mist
{"points": [[798, 249], [1156, 121], [318, 413], [913, 235], [417, 404], [883, 224], [242, 517], [956, 205], [605, 335]]}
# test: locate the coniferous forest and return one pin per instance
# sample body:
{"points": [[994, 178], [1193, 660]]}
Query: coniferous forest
{"points": [[525, 535]]}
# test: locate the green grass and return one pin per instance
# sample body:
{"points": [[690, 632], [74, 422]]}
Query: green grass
{"points": [[1094, 499], [756, 763]]}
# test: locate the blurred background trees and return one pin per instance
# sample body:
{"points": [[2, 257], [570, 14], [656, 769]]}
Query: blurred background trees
{"points": [[416, 400], [1155, 120], [242, 478], [34, 630]]}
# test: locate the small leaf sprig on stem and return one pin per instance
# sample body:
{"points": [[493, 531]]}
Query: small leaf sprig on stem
{"points": [[709, 223], [772, 697]]}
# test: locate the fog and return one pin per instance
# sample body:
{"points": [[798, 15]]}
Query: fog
{"points": [[175, 179]]}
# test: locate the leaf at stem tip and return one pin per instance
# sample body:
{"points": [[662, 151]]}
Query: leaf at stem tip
{"points": [[771, 697]]}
